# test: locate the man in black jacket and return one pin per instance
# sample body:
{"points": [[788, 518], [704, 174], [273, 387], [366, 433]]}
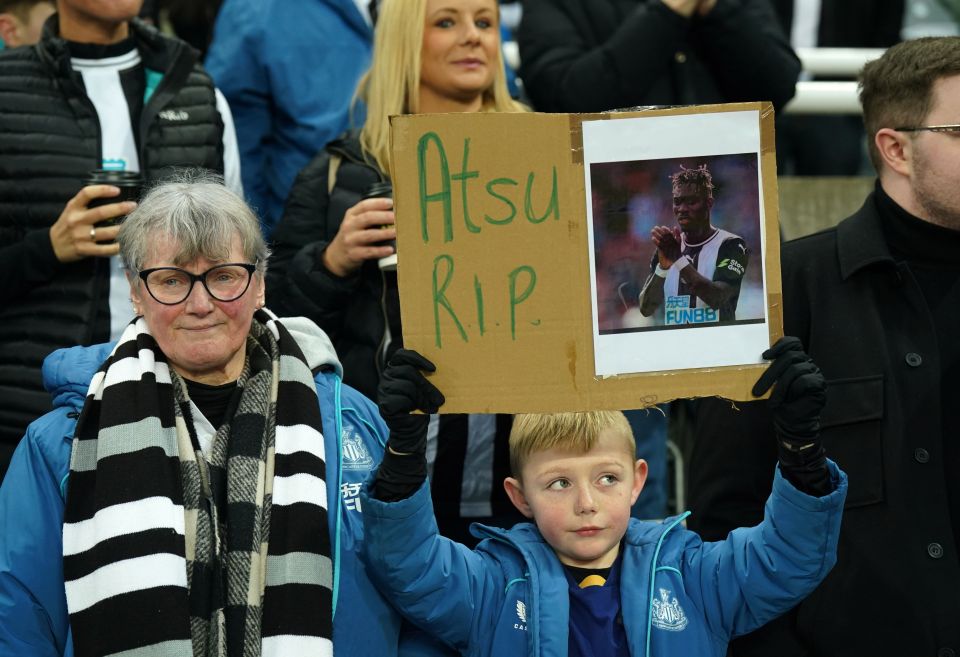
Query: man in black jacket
{"points": [[875, 302], [596, 55], [100, 90]]}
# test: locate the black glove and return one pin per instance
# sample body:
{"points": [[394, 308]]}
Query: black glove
{"points": [[403, 389], [798, 396]]}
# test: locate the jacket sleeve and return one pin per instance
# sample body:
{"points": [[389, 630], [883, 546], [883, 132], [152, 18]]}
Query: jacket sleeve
{"points": [[746, 50], [728, 482], [563, 71], [759, 573], [26, 264], [297, 281], [439, 585], [235, 61], [33, 607]]}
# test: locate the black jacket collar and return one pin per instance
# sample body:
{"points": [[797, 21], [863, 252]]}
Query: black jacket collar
{"points": [[860, 239], [157, 51], [348, 145]]}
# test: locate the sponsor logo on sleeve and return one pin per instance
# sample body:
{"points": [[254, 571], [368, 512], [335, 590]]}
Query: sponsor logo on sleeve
{"points": [[731, 265]]}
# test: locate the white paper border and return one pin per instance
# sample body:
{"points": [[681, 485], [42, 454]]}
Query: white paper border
{"points": [[663, 137]]}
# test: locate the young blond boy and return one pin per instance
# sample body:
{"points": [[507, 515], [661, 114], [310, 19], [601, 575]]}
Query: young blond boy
{"points": [[584, 578]]}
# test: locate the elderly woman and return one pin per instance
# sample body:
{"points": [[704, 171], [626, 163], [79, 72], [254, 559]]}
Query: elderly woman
{"points": [[203, 478]]}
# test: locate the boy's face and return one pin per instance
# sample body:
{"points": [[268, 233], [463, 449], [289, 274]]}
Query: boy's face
{"points": [[581, 502]]}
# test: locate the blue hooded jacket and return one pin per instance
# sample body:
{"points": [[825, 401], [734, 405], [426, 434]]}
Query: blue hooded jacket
{"points": [[679, 595], [33, 610], [289, 71]]}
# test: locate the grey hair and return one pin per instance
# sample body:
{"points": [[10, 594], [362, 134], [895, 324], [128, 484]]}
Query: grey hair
{"points": [[195, 211]]}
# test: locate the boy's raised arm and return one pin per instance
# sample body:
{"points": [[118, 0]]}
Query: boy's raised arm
{"points": [[436, 583], [798, 396], [404, 389], [758, 573]]}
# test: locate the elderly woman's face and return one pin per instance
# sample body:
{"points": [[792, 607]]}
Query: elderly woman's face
{"points": [[203, 338]]}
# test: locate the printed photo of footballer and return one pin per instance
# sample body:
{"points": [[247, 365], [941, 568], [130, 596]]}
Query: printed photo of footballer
{"points": [[674, 241]]}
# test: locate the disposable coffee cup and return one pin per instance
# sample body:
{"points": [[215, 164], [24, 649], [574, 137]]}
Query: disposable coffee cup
{"points": [[130, 184], [388, 263], [384, 189]]}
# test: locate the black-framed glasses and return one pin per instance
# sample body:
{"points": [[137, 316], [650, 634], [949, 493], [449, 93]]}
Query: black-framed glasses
{"points": [[172, 285], [930, 128]]}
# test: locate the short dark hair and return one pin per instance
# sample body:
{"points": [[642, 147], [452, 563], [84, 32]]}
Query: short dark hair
{"points": [[897, 89], [21, 8], [699, 177]]}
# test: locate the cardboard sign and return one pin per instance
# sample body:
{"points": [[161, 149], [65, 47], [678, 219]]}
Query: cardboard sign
{"points": [[499, 250]]}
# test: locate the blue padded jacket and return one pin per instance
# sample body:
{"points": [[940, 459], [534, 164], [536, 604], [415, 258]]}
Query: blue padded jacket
{"points": [[679, 595]]}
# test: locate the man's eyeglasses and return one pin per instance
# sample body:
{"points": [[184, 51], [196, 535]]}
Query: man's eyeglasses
{"points": [[172, 285], [930, 128]]}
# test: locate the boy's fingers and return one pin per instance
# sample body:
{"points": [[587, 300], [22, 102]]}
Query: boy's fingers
{"points": [[784, 345], [776, 369], [411, 357], [781, 346], [398, 399], [433, 399], [404, 389], [428, 398], [794, 381], [811, 385]]}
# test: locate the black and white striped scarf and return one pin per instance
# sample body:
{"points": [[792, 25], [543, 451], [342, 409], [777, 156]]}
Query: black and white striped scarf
{"points": [[170, 553]]}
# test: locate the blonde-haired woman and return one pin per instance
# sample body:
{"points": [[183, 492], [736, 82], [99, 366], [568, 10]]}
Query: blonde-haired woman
{"points": [[328, 242], [407, 80], [429, 56]]}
